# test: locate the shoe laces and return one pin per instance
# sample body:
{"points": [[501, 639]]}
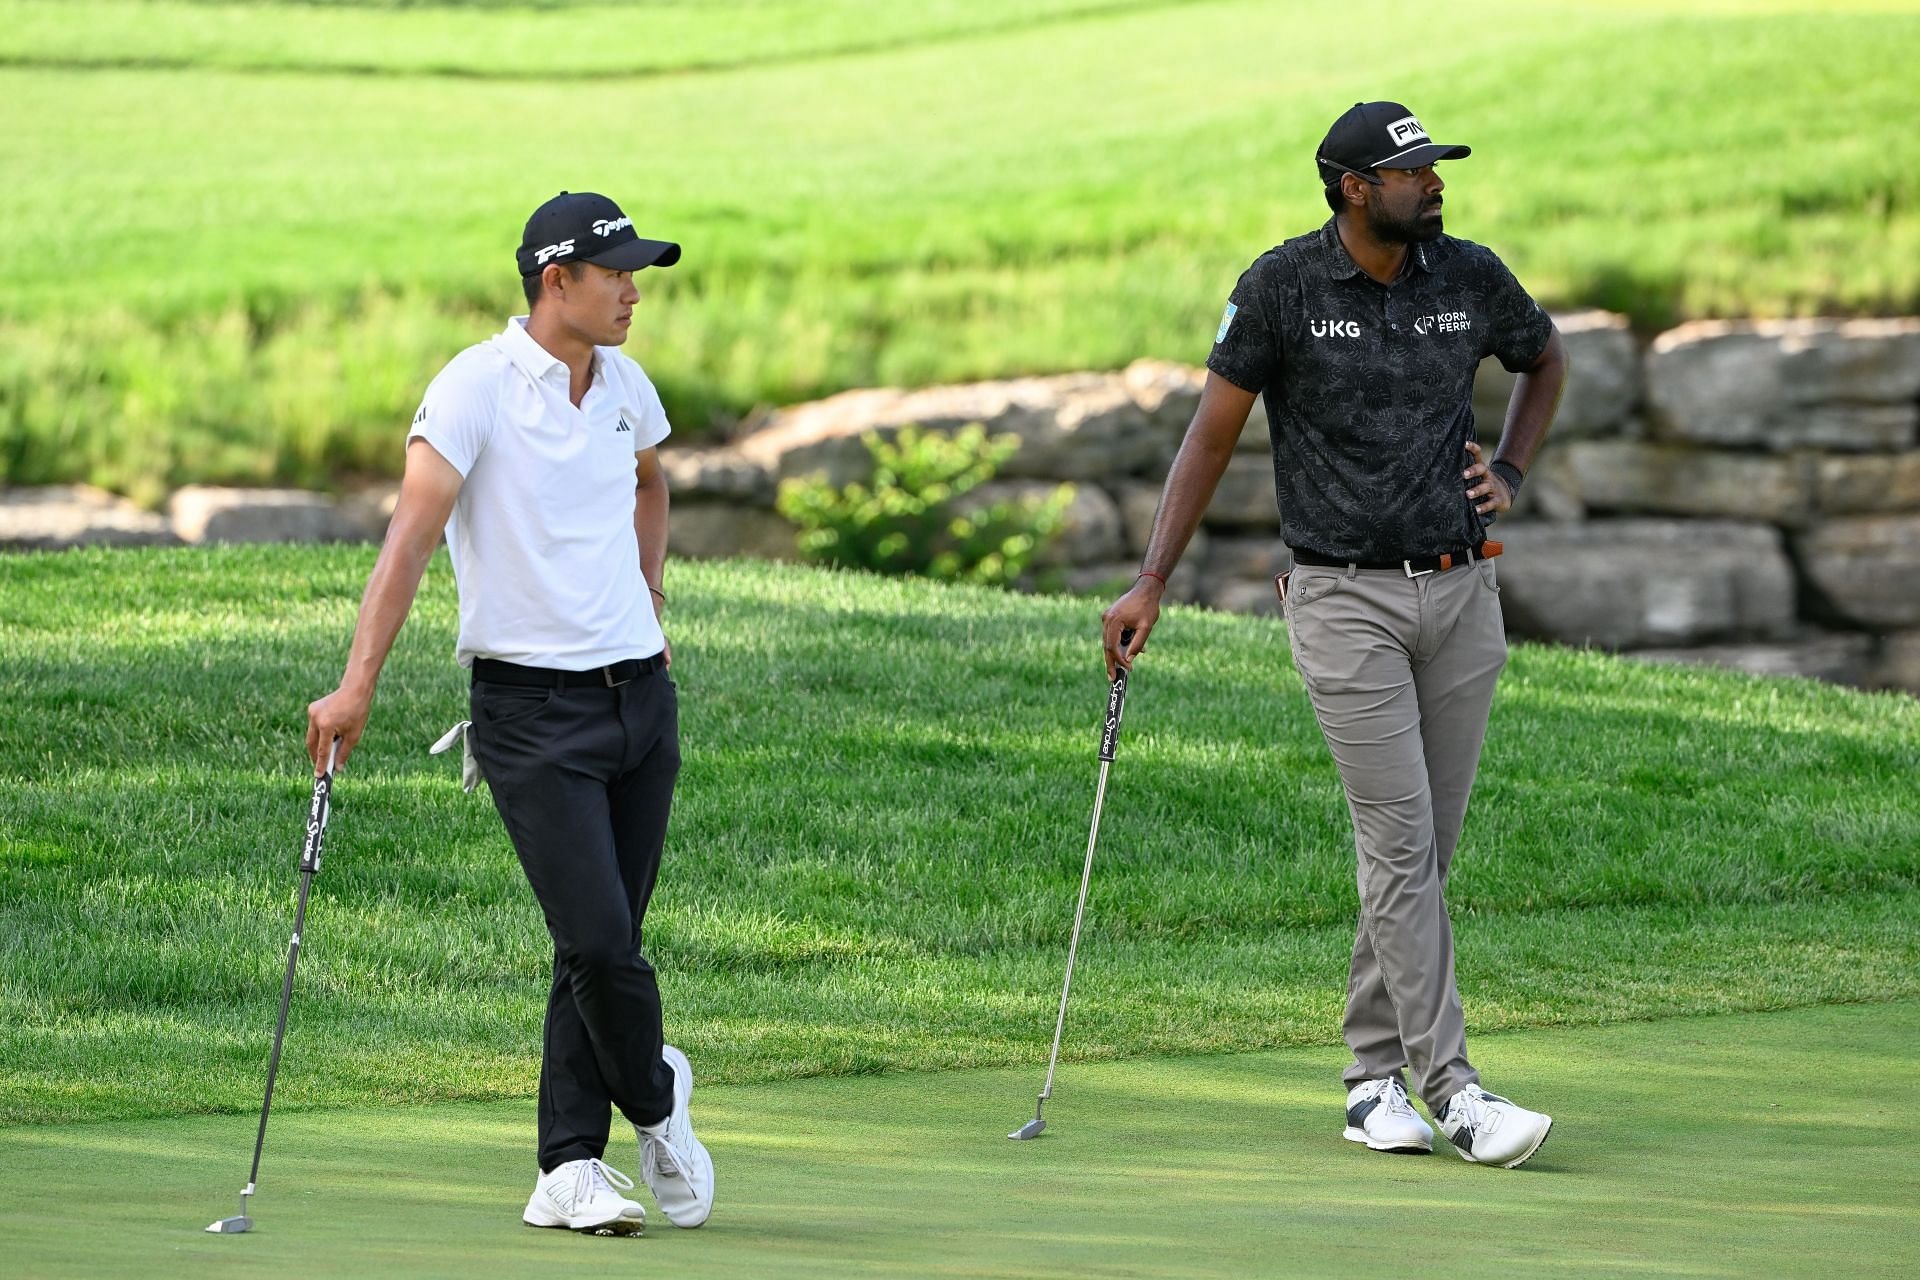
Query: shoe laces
{"points": [[660, 1155], [1390, 1092], [1472, 1105], [593, 1177]]}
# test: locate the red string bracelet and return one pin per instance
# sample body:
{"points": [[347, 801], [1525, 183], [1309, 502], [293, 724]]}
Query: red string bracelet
{"points": [[1148, 573]]}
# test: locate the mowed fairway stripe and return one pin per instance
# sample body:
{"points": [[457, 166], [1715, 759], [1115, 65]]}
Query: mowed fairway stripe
{"points": [[1758, 1144]]}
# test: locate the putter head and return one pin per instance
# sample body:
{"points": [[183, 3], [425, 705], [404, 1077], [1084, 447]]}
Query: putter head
{"points": [[226, 1226], [1031, 1129]]}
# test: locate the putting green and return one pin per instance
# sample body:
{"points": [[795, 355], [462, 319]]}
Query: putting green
{"points": [[1767, 1144]]}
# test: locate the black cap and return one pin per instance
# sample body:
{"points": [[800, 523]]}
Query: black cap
{"points": [[579, 226], [1375, 135]]}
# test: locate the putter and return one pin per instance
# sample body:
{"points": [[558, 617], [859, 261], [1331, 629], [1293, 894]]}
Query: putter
{"points": [[1109, 738], [309, 865]]}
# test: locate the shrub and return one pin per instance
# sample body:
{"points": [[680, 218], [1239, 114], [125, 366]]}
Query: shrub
{"points": [[913, 515]]}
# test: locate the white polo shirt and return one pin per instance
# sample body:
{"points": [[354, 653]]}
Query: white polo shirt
{"points": [[541, 536]]}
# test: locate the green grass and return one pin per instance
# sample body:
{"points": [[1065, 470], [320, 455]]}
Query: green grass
{"points": [[876, 841], [502, 39], [293, 215], [1779, 1145]]}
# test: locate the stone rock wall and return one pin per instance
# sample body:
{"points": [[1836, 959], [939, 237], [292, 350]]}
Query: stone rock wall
{"points": [[1746, 494]]}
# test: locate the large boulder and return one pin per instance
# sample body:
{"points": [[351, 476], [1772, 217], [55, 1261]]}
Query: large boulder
{"points": [[1841, 657], [1239, 574], [76, 515], [1139, 502], [1169, 394], [1627, 584], [1603, 380], [1110, 579], [210, 513], [1671, 479], [724, 474], [1899, 665], [1078, 424], [368, 508], [706, 529], [1867, 568], [1242, 595], [1245, 498], [1256, 559], [1784, 384], [824, 436], [1091, 533], [1549, 493], [1863, 484]]}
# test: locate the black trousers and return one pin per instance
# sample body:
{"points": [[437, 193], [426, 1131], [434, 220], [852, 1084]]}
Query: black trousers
{"points": [[583, 778]]}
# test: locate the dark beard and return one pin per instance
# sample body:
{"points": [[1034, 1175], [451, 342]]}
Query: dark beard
{"points": [[1415, 230]]}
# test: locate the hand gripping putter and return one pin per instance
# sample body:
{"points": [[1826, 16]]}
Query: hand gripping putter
{"points": [[1109, 738], [309, 865]]}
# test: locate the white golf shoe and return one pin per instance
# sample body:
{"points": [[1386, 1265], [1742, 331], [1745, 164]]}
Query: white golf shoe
{"points": [[584, 1195], [1379, 1115], [1488, 1129], [673, 1163]]}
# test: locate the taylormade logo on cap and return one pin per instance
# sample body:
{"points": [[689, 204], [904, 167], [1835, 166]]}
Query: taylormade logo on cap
{"points": [[580, 226]]}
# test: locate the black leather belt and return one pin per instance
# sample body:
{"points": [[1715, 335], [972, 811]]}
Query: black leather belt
{"points": [[1412, 566], [493, 671]]}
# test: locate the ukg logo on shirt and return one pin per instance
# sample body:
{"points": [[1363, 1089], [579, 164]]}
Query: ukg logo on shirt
{"points": [[1335, 328]]}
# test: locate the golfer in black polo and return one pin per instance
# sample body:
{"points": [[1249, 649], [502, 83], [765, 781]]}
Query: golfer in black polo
{"points": [[1364, 337], [535, 451]]}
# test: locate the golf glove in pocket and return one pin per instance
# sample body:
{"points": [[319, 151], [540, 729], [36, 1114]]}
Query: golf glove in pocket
{"points": [[469, 767]]}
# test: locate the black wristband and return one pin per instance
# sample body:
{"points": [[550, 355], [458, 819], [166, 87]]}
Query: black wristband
{"points": [[1510, 473]]}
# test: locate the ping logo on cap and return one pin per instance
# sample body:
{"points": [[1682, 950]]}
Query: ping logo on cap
{"points": [[1405, 130]]}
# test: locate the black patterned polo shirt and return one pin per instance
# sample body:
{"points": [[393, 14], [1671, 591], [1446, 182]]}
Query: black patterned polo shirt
{"points": [[1369, 386]]}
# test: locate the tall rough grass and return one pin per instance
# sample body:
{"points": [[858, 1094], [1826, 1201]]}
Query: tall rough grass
{"points": [[293, 214]]}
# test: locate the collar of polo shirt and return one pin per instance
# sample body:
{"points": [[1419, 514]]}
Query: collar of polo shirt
{"points": [[535, 360], [1340, 263]]}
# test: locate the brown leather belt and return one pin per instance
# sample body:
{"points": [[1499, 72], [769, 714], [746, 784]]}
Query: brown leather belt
{"points": [[1412, 566]]}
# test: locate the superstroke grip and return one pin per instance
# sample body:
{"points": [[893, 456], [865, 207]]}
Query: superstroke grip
{"points": [[1116, 703], [317, 813]]}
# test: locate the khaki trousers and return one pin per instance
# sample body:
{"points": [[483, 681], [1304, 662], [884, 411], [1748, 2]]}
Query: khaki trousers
{"points": [[1401, 672]]}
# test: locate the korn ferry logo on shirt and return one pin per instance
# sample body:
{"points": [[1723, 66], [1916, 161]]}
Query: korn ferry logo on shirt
{"points": [[1445, 322]]}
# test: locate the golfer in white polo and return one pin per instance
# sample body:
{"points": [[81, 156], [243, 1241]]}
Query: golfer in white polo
{"points": [[535, 451]]}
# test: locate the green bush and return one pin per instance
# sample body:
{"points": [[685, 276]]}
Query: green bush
{"points": [[912, 515]]}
